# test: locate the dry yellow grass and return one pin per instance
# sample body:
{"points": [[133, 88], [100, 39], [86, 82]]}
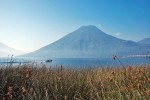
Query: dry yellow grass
{"points": [[29, 82]]}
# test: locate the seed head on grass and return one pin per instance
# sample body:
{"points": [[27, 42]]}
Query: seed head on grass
{"points": [[129, 68], [110, 79], [10, 87], [4, 97], [138, 71], [142, 93], [139, 86], [132, 86], [60, 73], [65, 98], [148, 80], [10, 91], [28, 73], [148, 92], [112, 72], [24, 90], [59, 78]]}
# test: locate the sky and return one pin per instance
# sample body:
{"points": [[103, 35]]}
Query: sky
{"points": [[28, 25]]}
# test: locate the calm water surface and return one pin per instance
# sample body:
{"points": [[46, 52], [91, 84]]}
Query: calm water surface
{"points": [[78, 62]]}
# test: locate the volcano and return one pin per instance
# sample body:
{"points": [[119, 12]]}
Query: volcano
{"points": [[89, 42]]}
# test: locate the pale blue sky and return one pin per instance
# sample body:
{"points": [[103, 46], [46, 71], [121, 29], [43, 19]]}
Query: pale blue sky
{"points": [[27, 25]]}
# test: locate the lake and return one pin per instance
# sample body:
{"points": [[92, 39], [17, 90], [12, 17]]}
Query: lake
{"points": [[78, 62]]}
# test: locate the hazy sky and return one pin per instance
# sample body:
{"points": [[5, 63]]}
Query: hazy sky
{"points": [[27, 25]]}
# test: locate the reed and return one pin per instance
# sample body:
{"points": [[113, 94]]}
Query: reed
{"points": [[33, 82]]}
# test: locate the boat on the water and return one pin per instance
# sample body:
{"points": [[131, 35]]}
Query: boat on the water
{"points": [[49, 60]]}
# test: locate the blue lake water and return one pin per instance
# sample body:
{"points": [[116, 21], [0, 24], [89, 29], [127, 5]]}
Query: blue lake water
{"points": [[78, 62], [100, 62]]}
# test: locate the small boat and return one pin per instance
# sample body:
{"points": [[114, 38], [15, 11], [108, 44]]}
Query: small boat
{"points": [[49, 60]]}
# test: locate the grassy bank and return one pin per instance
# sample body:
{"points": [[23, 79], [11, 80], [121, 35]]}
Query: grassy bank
{"points": [[27, 82]]}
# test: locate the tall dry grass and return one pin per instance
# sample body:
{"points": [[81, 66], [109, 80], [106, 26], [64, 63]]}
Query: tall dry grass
{"points": [[28, 82]]}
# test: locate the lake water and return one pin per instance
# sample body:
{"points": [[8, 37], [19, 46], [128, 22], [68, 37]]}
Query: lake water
{"points": [[78, 62]]}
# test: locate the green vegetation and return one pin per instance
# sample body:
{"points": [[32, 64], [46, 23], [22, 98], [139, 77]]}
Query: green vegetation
{"points": [[31, 82]]}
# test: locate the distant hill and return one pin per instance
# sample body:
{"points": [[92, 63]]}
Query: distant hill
{"points": [[5, 51], [89, 42], [145, 41]]}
